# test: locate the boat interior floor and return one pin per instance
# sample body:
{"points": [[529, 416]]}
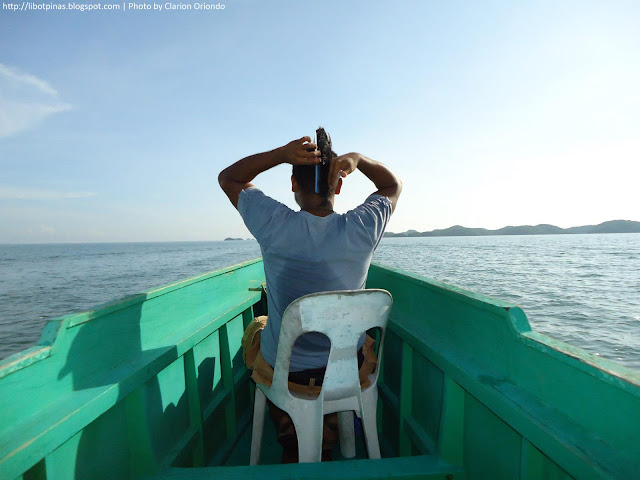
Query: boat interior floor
{"points": [[272, 451], [428, 467], [421, 467]]}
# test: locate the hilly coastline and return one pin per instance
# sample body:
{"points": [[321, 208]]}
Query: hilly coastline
{"points": [[613, 226]]}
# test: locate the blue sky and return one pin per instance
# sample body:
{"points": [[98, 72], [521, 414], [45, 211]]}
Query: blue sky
{"points": [[114, 125]]}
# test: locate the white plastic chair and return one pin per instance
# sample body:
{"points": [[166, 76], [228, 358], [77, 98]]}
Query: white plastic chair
{"points": [[343, 316]]}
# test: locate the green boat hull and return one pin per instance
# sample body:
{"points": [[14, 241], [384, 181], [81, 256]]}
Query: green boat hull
{"points": [[153, 386]]}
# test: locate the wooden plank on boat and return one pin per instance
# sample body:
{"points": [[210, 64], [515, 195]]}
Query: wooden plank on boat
{"points": [[422, 467]]}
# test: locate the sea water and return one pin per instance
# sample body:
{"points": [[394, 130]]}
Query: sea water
{"points": [[582, 289]]}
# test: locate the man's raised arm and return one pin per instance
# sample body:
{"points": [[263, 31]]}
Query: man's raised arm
{"points": [[388, 184], [238, 176]]}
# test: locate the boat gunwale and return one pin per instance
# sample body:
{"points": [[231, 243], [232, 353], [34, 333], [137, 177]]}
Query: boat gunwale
{"points": [[578, 357], [54, 328], [601, 368], [480, 300], [103, 309]]}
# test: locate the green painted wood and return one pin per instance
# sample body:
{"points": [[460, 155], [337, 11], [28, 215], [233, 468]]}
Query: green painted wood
{"points": [[167, 409], [406, 468], [240, 398], [235, 331], [142, 461], [419, 437], [195, 411], [406, 398], [534, 464], [104, 448], [380, 404], [207, 358], [37, 472], [227, 381], [390, 387], [450, 444], [225, 450], [181, 449], [247, 317], [427, 396], [486, 346], [389, 399], [43, 403], [222, 397], [485, 437], [61, 462]]}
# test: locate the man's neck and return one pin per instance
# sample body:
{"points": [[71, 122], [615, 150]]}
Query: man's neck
{"points": [[319, 211], [315, 205]]}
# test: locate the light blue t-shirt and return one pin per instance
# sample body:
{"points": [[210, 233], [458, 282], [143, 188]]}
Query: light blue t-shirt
{"points": [[304, 254]]}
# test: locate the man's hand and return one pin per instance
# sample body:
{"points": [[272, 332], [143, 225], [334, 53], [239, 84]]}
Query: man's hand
{"points": [[387, 183], [238, 176], [300, 152], [341, 167]]}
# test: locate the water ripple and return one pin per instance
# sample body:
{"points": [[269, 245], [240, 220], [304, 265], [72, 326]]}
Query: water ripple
{"points": [[582, 289]]}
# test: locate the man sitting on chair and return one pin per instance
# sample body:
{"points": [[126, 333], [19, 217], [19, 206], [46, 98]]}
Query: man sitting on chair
{"points": [[308, 251]]}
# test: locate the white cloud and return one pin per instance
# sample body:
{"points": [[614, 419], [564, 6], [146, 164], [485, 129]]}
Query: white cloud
{"points": [[19, 193], [25, 100], [25, 78]]}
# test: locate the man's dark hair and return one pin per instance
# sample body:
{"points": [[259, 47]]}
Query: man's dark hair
{"points": [[315, 178], [305, 175]]}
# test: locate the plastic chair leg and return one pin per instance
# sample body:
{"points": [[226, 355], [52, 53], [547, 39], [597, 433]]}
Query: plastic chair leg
{"points": [[347, 434], [308, 426], [260, 402], [369, 421]]}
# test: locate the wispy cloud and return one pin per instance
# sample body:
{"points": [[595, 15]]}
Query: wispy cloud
{"points": [[19, 193], [25, 100]]}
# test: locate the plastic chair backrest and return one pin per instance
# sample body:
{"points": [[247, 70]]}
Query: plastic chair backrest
{"points": [[343, 316]]}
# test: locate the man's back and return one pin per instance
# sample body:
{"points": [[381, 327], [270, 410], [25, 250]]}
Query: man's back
{"points": [[304, 253]]}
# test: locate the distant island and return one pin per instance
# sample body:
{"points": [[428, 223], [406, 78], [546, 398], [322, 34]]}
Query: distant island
{"points": [[229, 238], [613, 226]]}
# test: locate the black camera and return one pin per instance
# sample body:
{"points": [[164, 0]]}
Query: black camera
{"points": [[323, 141]]}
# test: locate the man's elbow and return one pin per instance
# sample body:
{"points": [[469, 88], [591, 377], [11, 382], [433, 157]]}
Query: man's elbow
{"points": [[394, 194], [222, 179], [398, 185], [395, 188]]}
